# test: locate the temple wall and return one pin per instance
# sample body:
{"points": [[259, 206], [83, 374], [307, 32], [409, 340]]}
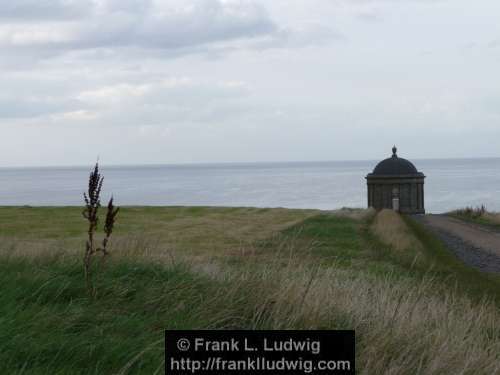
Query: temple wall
{"points": [[410, 191]]}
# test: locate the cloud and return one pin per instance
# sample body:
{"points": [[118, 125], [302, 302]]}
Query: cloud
{"points": [[494, 43], [300, 35], [177, 100], [376, 2], [44, 9], [240, 79], [23, 107], [173, 100], [173, 27], [127, 29], [167, 25]]}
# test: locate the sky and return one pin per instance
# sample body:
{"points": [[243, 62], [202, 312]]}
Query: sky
{"points": [[194, 81]]}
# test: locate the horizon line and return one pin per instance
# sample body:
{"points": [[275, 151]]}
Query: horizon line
{"points": [[186, 164]]}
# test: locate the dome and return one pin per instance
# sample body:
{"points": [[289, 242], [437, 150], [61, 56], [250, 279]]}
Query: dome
{"points": [[395, 166]]}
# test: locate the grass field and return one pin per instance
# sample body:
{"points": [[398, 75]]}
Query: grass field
{"points": [[415, 310]]}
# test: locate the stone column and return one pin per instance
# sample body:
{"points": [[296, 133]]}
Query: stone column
{"points": [[423, 197], [419, 196]]}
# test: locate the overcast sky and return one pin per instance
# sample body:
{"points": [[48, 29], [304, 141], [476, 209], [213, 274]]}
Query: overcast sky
{"points": [[179, 81]]}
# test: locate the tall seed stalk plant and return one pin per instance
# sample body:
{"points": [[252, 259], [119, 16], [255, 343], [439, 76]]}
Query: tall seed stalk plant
{"points": [[90, 212]]}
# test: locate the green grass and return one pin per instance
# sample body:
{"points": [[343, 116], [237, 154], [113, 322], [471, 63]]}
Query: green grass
{"points": [[350, 244], [242, 268], [191, 229], [50, 326]]}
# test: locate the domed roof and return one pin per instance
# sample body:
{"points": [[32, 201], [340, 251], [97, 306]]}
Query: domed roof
{"points": [[395, 166]]}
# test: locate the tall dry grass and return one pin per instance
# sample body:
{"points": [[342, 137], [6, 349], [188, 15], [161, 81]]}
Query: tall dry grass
{"points": [[403, 326], [494, 217], [392, 230], [478, 213]]}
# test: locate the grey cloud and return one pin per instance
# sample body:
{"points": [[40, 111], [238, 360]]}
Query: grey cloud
{"points": [[138, 6], [176, 100], [44, 9], [24, 108], [372, 2], [474, 45], [494, 43], [168, 29], [116, 24], [106, 69], [206, 22], [301, 35], [370, 15]]}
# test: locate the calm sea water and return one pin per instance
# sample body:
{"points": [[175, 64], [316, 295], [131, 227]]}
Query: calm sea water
{"points": [[324, 185]]}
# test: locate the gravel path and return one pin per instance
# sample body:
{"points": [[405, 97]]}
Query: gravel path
{"points": [[475, 245]]}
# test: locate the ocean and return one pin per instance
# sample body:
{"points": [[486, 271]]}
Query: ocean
{"points": [[450, 184]]}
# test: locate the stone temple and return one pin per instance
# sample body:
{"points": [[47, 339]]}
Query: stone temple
{"points": [[396, 184]]}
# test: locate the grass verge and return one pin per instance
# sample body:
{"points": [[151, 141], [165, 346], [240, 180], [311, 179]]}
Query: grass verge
{"points": [[478, 215]]}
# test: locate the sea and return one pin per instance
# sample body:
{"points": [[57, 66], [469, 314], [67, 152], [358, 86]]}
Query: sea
{"points": [[450, 184]]}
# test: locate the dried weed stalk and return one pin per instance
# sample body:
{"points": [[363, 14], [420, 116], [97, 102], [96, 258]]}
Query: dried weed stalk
{"points": [[92, 204]]}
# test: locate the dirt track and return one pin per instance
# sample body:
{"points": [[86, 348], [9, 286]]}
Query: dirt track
{"points": [[475, 245]]}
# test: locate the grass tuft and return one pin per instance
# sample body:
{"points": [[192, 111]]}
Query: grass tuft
{"points": [[479, 215]]}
